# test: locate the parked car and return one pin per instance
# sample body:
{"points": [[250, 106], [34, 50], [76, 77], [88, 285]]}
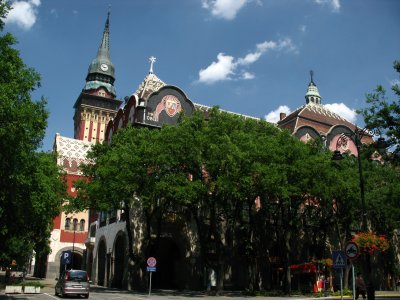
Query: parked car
{"points": [[73, 282]]}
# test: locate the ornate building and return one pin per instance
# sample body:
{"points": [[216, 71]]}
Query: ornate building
{"points": [[95, 107], [102, 248], [314, 121]]}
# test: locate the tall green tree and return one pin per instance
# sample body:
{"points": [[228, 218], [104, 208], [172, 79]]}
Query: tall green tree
{"points": [[384, 114], [31, 187]]}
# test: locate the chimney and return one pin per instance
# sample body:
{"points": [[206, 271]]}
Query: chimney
{"points": [[282, 116]]}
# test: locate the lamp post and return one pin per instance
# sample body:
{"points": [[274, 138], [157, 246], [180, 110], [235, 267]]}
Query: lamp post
{"points": [[74, 224], [358, 135]]}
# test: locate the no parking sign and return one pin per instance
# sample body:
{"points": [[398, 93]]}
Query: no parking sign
{"points": [[151, 264]]}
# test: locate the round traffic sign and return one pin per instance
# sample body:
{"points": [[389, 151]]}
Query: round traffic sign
{"points": [[351, 250], [151, 262]]}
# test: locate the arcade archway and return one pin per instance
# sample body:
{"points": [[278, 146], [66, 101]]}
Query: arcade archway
{"points": [[168, 255], [119, 261], [101, 263]]}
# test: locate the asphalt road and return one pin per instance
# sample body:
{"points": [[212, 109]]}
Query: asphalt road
{"points": [[101, 293]]}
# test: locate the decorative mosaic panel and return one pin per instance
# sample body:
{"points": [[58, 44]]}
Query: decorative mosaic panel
{"points": [[71, 153]]}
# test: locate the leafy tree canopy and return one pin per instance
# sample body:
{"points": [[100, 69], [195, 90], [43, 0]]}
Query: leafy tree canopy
{"points": [[31, 189], [384, 114]]}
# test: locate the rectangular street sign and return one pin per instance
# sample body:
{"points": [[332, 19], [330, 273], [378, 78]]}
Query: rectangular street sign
{"points": [[66, 257], [151, 269], [339, 260]]}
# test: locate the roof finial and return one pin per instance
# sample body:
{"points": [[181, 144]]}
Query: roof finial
{"points": [[312, 74], [108, 16], [152, 60]]}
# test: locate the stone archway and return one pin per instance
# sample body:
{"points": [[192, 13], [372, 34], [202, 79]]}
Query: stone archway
{"points": [[101, 263], [77, 260], [168, 255], [119, 261], [57, 268]]}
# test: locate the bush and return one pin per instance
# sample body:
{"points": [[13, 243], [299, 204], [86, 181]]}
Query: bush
{"points": [[28, 283], [32, 283]]}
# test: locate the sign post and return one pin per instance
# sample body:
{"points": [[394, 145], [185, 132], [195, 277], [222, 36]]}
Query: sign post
{"points": [[66, 258], [151, 267], [352, 252], [339, 262]]}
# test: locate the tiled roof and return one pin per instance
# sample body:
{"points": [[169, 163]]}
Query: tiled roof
{"points": [[149, 85], [317, 113]]}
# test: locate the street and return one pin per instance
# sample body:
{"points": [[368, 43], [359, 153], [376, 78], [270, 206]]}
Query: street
{"points": [[112, 294]]}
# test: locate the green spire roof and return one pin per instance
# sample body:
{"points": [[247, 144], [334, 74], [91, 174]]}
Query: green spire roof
{"points": [[312, 95], [101, 70]]}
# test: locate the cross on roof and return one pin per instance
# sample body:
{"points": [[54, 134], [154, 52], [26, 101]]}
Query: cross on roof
{"points": [[152, 60]]}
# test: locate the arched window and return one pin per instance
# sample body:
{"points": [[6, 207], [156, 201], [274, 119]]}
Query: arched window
{"points": [[67, 224], [82, 225], [75, 224]]}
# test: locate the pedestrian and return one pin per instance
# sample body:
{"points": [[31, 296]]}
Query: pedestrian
{"points": [[360, 286], [7, 277]]}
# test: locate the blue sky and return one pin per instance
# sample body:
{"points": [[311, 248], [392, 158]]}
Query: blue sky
{"points": [[248, 56]]}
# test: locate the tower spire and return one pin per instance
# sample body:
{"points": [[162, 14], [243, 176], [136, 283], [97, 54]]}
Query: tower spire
{"points": [[96, 104], [312, 95], [104, 49], [101, 70]]}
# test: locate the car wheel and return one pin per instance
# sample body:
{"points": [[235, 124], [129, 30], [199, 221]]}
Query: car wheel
{"points": [[86, 296]]}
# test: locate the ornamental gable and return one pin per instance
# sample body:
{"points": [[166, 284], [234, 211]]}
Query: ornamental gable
{"points": [[71, 153]]}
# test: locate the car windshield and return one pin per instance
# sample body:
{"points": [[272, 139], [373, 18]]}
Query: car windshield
{"points": [[79, 276]]}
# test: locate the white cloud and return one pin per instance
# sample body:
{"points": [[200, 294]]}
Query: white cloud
{"points": [[273, 116], [303, 28], [23, 13], [343, 110], [225, 9], [228, 68], [248, 76], [334, 4], [220, 70]]}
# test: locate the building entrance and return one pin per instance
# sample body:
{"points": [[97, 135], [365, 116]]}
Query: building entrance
{"points": [[101, 263], [119, 262], [167, 254]]}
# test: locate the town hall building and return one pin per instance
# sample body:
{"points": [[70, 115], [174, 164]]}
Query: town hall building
{"points": [[99, 240]]}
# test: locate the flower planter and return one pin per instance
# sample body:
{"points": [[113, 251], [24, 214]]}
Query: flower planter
{"points": [[31, 289], [13, 289]]}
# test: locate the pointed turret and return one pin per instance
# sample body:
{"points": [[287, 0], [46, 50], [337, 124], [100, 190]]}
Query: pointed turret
{"points": [[96, 104], [312, 95], [101, 71]]}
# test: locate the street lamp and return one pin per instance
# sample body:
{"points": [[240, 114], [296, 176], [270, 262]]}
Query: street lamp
{"points": [[358, 135]]}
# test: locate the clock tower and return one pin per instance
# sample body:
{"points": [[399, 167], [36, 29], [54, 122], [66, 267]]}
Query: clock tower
{"points": [[96, 104]]}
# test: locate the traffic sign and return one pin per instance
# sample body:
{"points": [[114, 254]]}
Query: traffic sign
{"points": [[151, 269], [66, 257], [351, 250], [339, 259], [151, 262]]}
